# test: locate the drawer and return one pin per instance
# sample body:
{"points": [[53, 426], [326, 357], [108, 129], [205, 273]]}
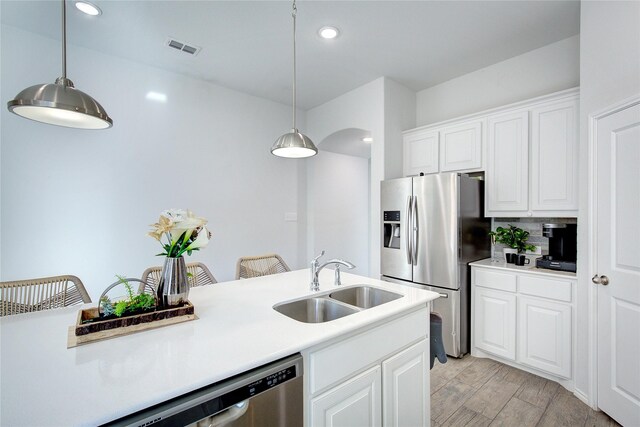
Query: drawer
{"points": [[338, 361], [556, 289], [494, 279]]}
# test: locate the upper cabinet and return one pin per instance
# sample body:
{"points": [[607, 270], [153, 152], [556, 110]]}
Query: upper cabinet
{"points": [[528, 150], [457, 147], [507, 173], [461, 147], [533, 161], [421, 153], [554, 157]]}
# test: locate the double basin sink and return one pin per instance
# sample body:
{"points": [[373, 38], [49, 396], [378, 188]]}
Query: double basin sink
{"points": [[334, 305]]}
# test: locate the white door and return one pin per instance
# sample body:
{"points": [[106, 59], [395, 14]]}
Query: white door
{"points": [[420, 153], [405, 387], [544, 335], [617, 241], [494, 322], [508, 163], [461, 147], [354, 403], [554, 158]]}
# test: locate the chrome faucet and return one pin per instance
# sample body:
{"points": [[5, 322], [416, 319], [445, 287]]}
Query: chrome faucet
{"points": [[316, 267]]}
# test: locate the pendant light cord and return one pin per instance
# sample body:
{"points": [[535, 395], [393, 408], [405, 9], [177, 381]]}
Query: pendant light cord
{"points": [[64, 40], [293, 15]]}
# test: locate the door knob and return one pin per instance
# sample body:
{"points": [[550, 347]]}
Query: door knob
{"points": [[600, 280]]}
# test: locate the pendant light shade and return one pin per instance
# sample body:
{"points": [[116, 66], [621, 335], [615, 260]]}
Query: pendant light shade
{"points": [[294, 145], [60, 103]]}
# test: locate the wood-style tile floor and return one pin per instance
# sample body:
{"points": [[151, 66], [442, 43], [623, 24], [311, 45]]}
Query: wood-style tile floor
{"points": [[482, 392]]}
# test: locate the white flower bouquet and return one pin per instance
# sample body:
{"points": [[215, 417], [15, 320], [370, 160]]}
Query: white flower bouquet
{"points": [[183, 232]]}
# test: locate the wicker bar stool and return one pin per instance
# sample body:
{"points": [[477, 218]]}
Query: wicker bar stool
{"points": [[262, 265], [199, 276], [23, 296]]}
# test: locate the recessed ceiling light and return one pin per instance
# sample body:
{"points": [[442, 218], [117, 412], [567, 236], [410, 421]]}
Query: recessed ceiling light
{"points": [[156, 96], [328, 32], [367, 139], [88, 8]]}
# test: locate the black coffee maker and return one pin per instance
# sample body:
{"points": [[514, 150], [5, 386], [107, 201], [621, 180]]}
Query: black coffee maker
{"points": [[562, 247]]}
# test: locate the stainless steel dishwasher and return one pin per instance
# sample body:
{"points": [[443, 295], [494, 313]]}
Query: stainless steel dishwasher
{"points": [[270, 395]]}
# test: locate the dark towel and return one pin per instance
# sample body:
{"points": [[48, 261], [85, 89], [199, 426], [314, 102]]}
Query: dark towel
{"points": [[437, 347]]}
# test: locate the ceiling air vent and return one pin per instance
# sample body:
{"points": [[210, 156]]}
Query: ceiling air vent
{"points": [[183, 47]]}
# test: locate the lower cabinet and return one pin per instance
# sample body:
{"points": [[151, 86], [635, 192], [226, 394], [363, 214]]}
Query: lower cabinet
{"points": [[379, 377], [404, 387], [530, 324], [544, 339], [494, 322], [355, 402]]}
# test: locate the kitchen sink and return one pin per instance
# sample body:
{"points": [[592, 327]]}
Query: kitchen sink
{"points": [[364, 296], [314, 310]]}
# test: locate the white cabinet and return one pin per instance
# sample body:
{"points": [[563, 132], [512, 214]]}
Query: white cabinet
{"points": [[404, 388], [494, 322], [461, 147], [525, 319], [554, 154], [421, 153], [544, 339], [382, 371], [455, 147], [532, 165], [355, 402], [508, 168]]}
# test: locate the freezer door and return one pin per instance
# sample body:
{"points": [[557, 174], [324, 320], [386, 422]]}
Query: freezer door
{"points": [[395, 198], [435, 223]]}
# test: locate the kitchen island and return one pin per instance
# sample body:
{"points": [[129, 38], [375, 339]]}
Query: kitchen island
{"points": [[44, 383]]}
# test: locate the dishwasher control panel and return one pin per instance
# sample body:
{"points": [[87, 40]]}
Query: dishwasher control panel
{"points": [[271, 381]]}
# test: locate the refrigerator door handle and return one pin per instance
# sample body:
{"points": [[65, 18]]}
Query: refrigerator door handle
{"points": [[407, 233], [414, 225]]}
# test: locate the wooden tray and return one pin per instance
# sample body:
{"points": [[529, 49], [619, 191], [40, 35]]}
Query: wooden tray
{"points": [[96, 331]]}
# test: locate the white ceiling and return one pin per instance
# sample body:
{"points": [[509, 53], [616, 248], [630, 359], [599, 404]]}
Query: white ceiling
{"points": [[246, 45]]}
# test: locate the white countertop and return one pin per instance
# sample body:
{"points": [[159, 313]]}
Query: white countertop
{"points": [[531, 268], [44, 383]]}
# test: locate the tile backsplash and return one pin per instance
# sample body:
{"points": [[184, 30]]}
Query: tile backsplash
{"points": [[533, 226]]}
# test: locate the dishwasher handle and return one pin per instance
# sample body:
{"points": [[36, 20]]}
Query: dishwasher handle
{"points": [[226, 416]]}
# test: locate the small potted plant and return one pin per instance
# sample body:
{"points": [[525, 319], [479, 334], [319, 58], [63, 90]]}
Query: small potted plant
{"points": [[514, 238]]}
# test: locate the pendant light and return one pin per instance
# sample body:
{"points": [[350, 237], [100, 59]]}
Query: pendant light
{"points": [[60, 103], [294, 144]]}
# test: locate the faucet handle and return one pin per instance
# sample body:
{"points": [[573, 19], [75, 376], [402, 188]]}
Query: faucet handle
{"points": [[319, 256], [337, 276]]}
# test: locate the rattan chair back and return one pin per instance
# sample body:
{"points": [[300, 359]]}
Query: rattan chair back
{"points": [[24, 296], [262, 265], [199, 275]]}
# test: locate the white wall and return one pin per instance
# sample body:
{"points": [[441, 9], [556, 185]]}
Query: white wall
{"points": [[609, 73], [399, 115], [361, 108], [545, 70], [339, 194], [80, 202]]}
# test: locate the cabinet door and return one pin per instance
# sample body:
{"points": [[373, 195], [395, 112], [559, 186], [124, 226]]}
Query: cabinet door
{"points": [[554, 162], [494, 322], [508, 163], [420, 153], [356, 402], [405, 392], [544, 335], [461, 147]]}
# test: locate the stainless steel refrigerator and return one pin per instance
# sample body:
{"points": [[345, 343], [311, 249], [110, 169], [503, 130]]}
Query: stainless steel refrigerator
{"points": [[433, 226]]}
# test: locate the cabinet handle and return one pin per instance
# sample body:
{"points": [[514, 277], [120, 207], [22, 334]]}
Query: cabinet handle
{"points": [[600, 280]]}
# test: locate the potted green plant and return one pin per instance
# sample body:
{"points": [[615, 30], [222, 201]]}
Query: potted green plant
{"points": [[514, 238]]}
